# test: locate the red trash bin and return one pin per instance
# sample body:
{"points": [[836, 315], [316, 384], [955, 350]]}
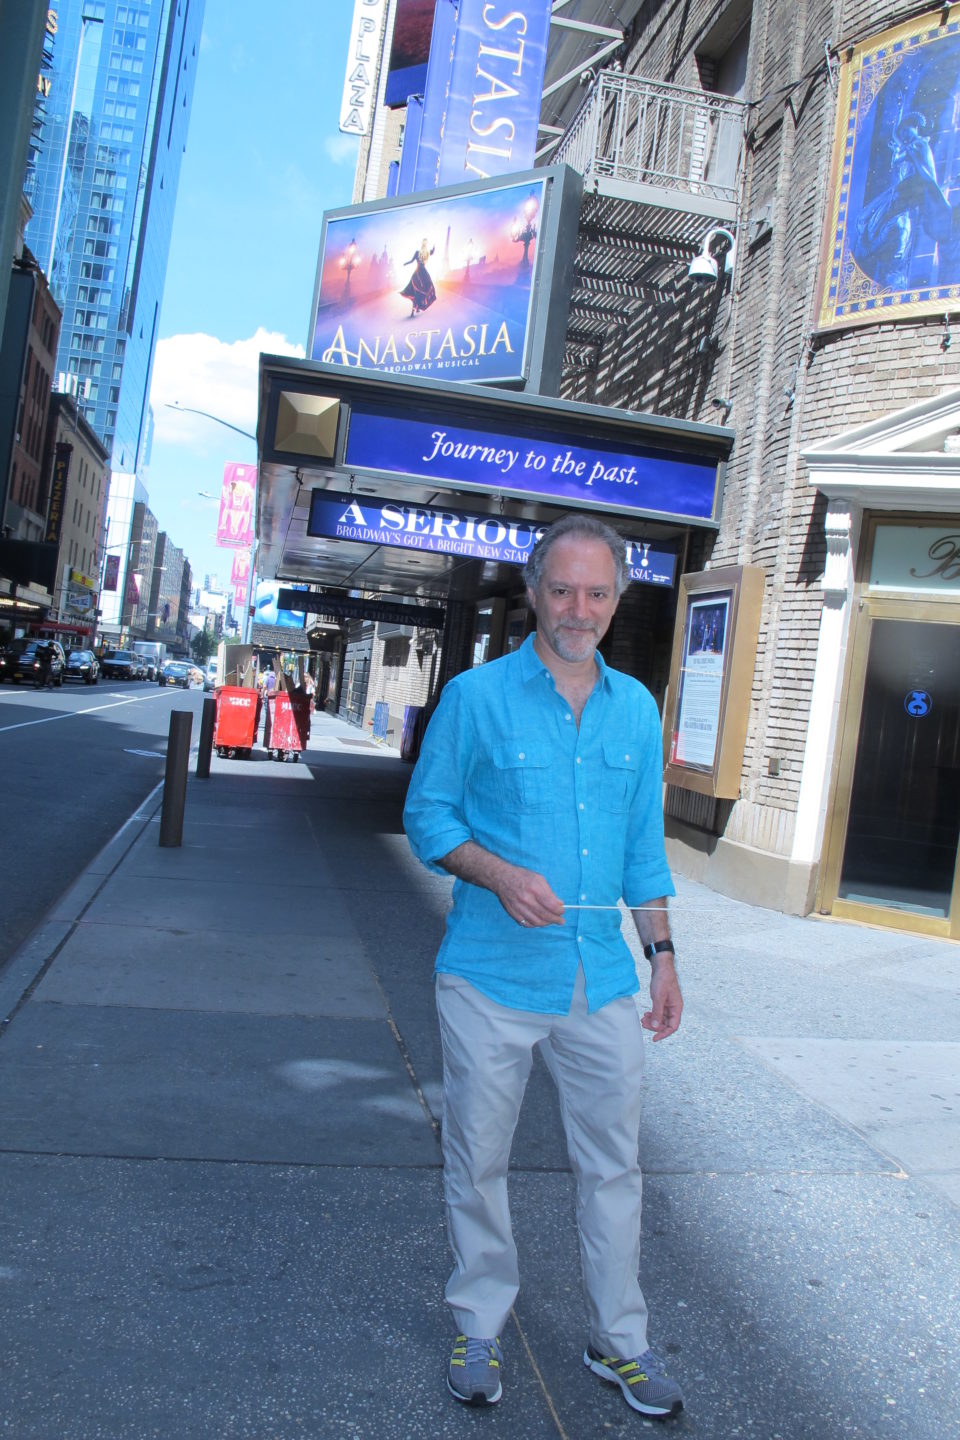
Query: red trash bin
{"points": [[238, 715], [287, 725]]}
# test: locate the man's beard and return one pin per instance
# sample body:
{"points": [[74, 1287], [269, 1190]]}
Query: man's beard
{"points": [[575, 648]]}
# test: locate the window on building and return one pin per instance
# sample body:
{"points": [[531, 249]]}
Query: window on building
{"points": [[396, 652], [722, 62]]}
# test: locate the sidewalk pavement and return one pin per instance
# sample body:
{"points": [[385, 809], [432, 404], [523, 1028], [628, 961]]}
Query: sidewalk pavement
{"points": [[220, 1187]]}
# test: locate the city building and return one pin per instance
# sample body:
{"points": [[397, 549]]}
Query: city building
{"points": [[102, 178], [166, 623], [23, 28], [119, 584], [77, 467], [28, 554], [209, 608], [136, 617], [26, 365]]}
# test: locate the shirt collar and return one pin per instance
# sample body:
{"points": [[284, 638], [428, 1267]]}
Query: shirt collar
{"points": [[531, 665]]}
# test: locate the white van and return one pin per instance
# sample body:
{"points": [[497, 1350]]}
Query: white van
{"points": [[210, 675]]}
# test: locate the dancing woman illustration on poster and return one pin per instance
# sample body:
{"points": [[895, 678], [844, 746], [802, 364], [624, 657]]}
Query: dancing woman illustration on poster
{"points": [[419, 289]]}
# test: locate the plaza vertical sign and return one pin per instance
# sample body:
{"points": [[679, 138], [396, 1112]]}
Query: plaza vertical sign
{"points": [[496, 79], [359, 90]]}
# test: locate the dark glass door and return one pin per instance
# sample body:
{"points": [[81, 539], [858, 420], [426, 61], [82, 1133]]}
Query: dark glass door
{"points": [[904, 823]]}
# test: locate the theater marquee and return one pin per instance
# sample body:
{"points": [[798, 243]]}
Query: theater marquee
{"points": [[445, 287], [373, 520]]}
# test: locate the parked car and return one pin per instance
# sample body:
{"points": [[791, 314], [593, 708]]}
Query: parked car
{"points": [[82, 665], [118, 665], [139, 666], [175, 672], [40, 661], [210, 675], [9, 656], [152, 653]]}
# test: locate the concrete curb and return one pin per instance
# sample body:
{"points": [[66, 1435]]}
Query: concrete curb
{"points": [[26, 967]]}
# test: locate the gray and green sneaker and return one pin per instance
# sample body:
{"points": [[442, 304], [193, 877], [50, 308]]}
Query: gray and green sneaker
{"points": [[473, 1374], [643, 1380]]}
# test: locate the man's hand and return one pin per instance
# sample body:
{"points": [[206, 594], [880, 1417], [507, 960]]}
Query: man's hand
{"points": [[663, 1017], [524, 894], [527, 898]]}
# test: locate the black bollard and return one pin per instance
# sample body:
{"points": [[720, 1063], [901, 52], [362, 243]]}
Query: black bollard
{"points": [[207, 723], [175, 778]]}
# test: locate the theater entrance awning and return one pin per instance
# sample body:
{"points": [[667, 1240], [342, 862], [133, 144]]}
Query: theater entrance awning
{"points": [[434, 458]]}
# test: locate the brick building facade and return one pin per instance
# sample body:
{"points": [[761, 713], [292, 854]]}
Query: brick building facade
{"points": [[787, 388]]}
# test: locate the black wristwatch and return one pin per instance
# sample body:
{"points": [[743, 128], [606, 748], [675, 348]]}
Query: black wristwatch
{"points": [[659, 947]]}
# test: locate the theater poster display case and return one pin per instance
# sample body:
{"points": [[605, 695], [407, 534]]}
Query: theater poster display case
{"points": [[711, 669]]}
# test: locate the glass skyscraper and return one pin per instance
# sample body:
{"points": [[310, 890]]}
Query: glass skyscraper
{"points": [[102, 179]]}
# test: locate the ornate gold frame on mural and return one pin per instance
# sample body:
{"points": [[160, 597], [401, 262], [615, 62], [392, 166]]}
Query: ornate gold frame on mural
{"points": [[711, 669], [868, 606], [890, 248]]}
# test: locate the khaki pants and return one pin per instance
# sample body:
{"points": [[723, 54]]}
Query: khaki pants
{"points": [[597, 1062]]}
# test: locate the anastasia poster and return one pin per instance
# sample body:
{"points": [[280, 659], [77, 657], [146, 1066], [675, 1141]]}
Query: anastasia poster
{"points": [[439, 287]]}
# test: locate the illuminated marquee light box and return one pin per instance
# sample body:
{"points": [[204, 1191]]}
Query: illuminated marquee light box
{"points": [[557, 457], [471, 282], [375, 520]]}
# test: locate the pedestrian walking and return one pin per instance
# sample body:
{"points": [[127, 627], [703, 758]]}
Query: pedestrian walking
{"points": [[539, 787]]}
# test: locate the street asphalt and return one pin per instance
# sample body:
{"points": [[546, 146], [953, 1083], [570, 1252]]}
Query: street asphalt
{"points": [[220, 1183]]}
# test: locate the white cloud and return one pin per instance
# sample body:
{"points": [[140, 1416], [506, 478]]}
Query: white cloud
{"points": [[342, 149], [200, 372]]}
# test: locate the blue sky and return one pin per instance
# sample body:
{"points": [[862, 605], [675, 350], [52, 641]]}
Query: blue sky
{"points": [[264, 159]]}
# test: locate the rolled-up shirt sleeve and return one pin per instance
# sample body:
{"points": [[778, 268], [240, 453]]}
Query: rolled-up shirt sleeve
{"points": [[433, 816], [646, 874]]}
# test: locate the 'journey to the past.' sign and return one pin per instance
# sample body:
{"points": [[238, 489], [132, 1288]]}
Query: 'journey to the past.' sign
{"points": [[376, 521], [609, 472]]}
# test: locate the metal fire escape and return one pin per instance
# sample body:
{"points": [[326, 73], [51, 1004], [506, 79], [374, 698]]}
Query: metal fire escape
{"points": [[661, 166]]}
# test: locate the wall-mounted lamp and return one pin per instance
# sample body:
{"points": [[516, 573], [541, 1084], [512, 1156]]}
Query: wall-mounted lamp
{"points": [[706, 266]]}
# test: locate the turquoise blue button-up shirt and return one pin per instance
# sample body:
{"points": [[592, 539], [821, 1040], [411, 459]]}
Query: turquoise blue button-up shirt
{"points": [[504, 764]]}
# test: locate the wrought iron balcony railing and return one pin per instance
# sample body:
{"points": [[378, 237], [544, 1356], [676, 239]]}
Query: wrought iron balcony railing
{"points": [[658, 144]]}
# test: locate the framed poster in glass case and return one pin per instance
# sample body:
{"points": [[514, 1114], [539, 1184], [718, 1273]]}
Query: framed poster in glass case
{"points": [[711, 670]]}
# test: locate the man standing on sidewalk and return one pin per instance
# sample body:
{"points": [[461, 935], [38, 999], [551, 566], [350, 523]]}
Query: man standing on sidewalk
{"points": [[539, 788]]}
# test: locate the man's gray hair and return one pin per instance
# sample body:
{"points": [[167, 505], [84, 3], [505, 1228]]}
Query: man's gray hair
{"points": [[586, 527]]}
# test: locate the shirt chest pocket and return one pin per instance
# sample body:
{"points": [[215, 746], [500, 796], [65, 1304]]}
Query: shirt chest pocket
{"points": [[618, 775], [525, 777]]}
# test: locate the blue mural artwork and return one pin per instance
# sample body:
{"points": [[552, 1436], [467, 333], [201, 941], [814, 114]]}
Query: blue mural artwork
{"points": [[892, 247]]}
